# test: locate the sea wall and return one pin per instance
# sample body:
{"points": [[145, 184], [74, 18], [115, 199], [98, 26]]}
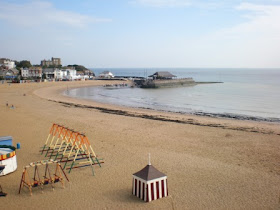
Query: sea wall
{"points": [[165, 83]]}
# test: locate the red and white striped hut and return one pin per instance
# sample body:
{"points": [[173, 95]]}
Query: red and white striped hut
{"points": [[149, 184]]}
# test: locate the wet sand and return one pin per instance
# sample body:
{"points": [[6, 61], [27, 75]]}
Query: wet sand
{"points": [[210, 163]]}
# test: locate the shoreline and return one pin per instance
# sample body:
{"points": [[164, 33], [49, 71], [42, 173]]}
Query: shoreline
{"points": [[162, 117], [186, 118], [196, 118], [208, 164], [229, 116]]}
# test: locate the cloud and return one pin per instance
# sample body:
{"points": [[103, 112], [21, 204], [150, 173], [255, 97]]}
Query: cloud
{"points": [[255, 42], [38, 13], [260, 21], [164, 3]]}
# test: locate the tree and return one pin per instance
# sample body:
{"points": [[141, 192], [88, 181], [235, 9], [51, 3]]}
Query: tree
{"points": [[78, 67], [24, 64], [51, 66], [19, 71]]}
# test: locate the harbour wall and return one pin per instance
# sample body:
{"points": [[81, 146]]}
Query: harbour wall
{"points": [[165, 83]]}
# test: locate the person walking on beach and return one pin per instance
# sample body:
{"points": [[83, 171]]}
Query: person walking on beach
{"points": [[7, 104]]}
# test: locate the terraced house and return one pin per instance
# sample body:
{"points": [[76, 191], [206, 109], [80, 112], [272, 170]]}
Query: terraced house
{"points": [[32, 72]]}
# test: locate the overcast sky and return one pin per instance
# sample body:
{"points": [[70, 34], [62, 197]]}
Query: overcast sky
{"points": [[143, 33]]}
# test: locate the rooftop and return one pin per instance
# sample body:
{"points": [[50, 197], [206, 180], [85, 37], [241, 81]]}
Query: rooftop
{"points": [[149, 173], [163, 74]]}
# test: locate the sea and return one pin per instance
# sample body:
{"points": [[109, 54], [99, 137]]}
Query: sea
{"points": [[246, 94]]}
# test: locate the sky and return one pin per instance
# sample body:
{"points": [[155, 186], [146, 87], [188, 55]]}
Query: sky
{"points": [[143, 33]]}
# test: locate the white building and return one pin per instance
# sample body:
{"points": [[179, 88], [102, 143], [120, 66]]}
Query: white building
{"points": [[24, 72], [71, 74], [8, 63], [60, 74], [106, 75], [63, 74]]}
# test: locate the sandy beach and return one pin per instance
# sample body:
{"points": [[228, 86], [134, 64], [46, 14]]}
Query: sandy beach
{"points": [[210, 163]]}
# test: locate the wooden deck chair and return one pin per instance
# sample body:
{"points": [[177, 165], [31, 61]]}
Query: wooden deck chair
{"points": [[1, 190]]}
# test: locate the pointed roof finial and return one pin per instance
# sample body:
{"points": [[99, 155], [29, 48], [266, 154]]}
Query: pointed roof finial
{"points": [[149, 159]]}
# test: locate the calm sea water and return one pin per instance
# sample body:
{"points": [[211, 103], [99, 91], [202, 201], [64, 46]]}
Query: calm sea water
{"points": [[244, 94]]}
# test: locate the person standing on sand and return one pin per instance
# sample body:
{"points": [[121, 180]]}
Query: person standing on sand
{"points": [[7, 104]]}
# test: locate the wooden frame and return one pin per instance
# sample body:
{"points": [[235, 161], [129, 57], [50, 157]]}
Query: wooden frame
{"points": [[71, 148], [47, 178]]}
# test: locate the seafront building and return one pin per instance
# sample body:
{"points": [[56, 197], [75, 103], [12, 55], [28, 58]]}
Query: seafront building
{"points": [[48, 73], [54, 71], [106, 75], [24, 72], [71, 74], [32, 72], [9, 73], [163, 79], [65, 74], [162, 75], [60, 74]]}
